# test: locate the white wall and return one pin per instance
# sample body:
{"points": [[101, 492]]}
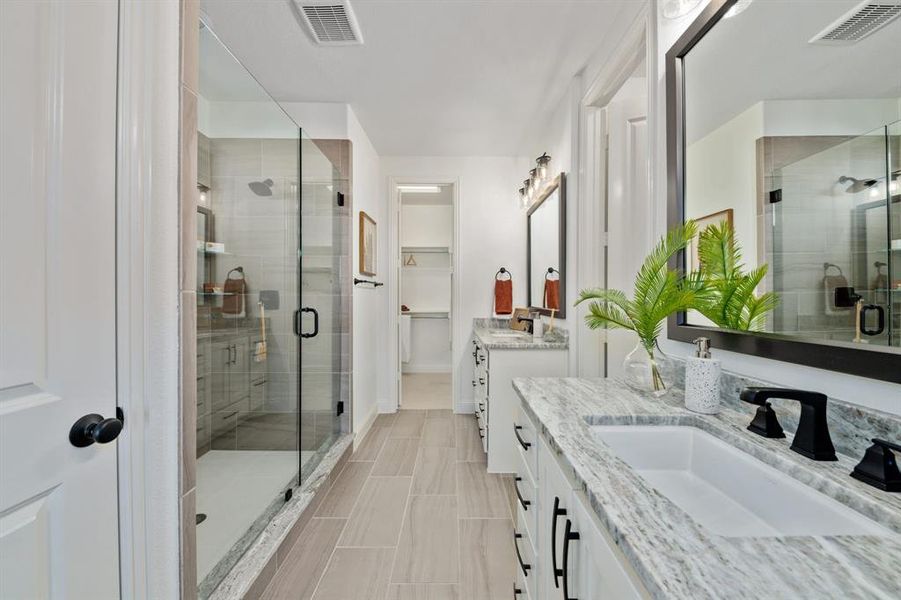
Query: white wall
{"points": [[492, 234], [867, 392]]}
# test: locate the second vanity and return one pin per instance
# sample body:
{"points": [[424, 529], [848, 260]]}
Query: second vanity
{"points": [[498, 355], [604, 510]]}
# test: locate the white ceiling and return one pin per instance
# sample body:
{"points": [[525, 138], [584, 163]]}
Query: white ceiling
{"points": [[451, 77], [763, 54]]}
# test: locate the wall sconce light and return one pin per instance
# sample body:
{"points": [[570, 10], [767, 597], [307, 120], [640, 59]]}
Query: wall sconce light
{"points": [[543, 161], [536, 181], [523, 198]]}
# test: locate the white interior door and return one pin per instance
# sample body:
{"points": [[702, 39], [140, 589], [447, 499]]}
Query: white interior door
{"points": [[58, 502], [628, 202]]}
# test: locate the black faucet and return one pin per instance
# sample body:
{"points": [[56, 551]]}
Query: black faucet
{"points": [[812, 437], [878, 467]]}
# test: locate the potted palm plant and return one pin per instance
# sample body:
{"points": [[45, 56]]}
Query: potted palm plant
{"points": [[658, 292]]}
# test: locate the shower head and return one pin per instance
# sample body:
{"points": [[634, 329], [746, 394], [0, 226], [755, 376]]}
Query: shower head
{"points": [[857, 185], [261, 188]]}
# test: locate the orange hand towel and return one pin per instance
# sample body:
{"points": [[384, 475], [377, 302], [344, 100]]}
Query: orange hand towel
{"points": [[503, 296], [233, 303], [552, 294]]}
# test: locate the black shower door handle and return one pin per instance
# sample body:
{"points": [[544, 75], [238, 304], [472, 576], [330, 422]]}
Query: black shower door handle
{"points": [[880, 315], [315, 323]]}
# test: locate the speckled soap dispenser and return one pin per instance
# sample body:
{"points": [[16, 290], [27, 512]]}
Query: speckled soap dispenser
{"points": [[702, 380]]}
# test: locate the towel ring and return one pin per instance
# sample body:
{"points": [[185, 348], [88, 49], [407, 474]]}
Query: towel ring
{"points": [[503, 271], [551, 271], [238, 269], [827, 266]]}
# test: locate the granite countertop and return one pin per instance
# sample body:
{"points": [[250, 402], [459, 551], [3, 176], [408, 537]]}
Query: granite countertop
{"points": [[496, 334], [673, 555]]}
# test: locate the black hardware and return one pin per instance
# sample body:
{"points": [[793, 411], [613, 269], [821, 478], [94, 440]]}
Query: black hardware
{"points": [[525, 445], [568, 536], [94, 428], [776, 196], [482, 406], [765, 422], [525, 503], [481, 381], [340, 408], [503, 271], [199, 518], [557, 512], [481, 358], [269, 299], [230, 415], [259, 383], [358, 281], [845, 297], [812, 437], [481, 435], [473, 383], [878, 467], [234, 354], [296, 322], [516, 591], [289, 493], [880, 315], [525, 568], [315, 322], [340, 199]]}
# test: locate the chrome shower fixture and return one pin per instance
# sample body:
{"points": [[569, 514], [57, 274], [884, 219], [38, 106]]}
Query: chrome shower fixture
{"points": [[857, 185], [261, 188]]}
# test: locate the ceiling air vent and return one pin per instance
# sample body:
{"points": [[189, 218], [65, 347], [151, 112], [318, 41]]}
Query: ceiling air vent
{"points": [[330, 22], [863, 20]]}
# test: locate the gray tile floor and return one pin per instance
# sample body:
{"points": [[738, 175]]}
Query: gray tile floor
{"points": [[414, 515]]}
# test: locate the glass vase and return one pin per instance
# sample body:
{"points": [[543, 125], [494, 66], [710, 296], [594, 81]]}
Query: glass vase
{"points": [[649, 370]]}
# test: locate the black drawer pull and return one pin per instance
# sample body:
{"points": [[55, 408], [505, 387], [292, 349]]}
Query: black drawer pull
{"points": [[557, 512], [568, 536], [481, 381], [525, 503], [259, 383], [473, 383], [516, 592], [525, 568], [525, 445], [229, 415]]}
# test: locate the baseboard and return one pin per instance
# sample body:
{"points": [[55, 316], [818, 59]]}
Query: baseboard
{"points": [[465, 408], [360, 435], [386, 407], [426, 369]]}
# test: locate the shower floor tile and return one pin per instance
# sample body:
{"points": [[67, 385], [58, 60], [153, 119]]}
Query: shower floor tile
{"points": [[234, 487]]}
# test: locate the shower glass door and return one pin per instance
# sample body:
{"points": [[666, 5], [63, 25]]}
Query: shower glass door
{"points": [[323, 320], [835, 226]]}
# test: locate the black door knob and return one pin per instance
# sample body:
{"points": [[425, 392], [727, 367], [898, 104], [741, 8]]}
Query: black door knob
{"points": [[94, 428]]}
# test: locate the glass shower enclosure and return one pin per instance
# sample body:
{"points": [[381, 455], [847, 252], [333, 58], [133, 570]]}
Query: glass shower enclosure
{"points": [[273, 308], [833, 238]]}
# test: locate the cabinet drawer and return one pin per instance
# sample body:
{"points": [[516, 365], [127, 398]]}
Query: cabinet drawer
{"points": [[526, 443], [527, 499], [258, 395], [526, 566]]}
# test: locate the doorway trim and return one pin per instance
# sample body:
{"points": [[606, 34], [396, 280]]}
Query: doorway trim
{"points": [[391, 403], [147, 297], [634, 47]]}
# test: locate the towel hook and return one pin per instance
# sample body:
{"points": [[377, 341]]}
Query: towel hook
{"points": [[503, 271]]}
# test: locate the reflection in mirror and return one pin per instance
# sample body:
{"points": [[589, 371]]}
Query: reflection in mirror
{"points": [[546, 251], [794, 140]]}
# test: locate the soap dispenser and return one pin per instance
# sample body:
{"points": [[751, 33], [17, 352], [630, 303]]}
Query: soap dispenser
{"points": [[702, 380]]}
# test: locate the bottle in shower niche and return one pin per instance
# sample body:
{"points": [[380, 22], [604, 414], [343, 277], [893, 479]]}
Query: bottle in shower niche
{"points": [[702, 380]]}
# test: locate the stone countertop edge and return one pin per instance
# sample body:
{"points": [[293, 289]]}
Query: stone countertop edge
{"points": [[242, 576], [524, 342], [674, 556]]}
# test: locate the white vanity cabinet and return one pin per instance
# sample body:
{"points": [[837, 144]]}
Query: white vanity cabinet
{"points": [[570, 555], [495, 400]]}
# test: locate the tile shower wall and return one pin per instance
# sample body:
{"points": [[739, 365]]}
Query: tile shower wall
{"points": [[260, 234], [815, 224]]}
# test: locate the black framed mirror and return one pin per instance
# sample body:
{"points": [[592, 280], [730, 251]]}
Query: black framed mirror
{"points": [[789, 138], [546, 250]]}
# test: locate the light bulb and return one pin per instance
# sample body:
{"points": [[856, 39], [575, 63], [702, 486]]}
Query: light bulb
{"points": [[543, 162]]}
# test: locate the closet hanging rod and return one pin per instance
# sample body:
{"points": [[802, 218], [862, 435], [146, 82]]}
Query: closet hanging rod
{"points": [[373, 283]]}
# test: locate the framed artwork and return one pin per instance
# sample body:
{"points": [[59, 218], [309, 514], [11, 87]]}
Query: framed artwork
{"points": [[694, 261], [368, 245]]}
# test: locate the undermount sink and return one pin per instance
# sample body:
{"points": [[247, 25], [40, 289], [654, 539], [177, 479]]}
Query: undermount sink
{"points": [[508, 334], [728, 491]]}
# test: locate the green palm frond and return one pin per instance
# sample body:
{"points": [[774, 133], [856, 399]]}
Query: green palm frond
{"points": [[730, 297], [659, 291]]}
